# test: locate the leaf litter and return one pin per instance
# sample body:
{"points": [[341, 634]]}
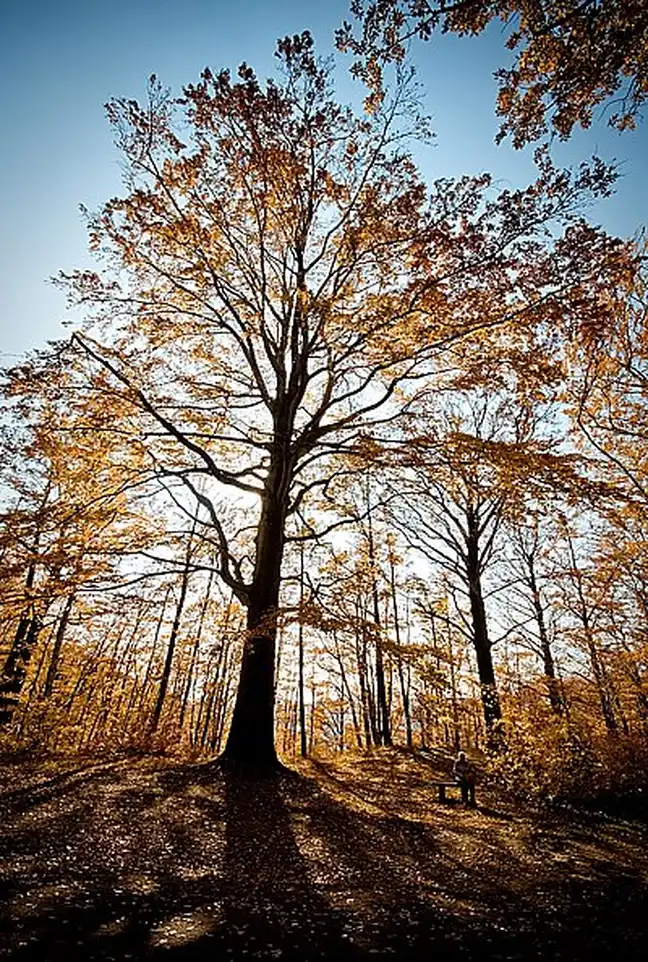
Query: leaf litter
{"points": [[349, 858]]}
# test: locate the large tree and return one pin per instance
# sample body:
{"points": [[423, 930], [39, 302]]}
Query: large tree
{"points": [[571, 56], [274, 288]]}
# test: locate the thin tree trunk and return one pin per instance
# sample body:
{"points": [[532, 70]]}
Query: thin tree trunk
{"points": [[125, 672], [173, 638], [214, 701], [58, 643], [362, 679], [207, 704], [311, 733], [376, 735], [456, 736], [141, 708], [303, 747], [222, 706], [404, 688], [598, 669], [347, 687], [553, 688], [382, 709], [194, 651]]}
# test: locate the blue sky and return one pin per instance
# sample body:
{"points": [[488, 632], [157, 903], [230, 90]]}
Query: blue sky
{"points": [[61, 60]]}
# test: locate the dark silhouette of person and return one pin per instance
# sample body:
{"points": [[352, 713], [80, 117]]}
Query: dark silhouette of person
{"points": [[464, 775]]}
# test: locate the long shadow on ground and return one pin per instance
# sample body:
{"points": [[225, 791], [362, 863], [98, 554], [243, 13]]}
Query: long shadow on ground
{"points": [[139, 861]]}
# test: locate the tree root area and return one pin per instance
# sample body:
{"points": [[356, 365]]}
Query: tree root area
{"points": [[148, 859]]}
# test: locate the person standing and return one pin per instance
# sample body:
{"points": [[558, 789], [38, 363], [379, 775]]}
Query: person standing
{"points": [[464, 775]]}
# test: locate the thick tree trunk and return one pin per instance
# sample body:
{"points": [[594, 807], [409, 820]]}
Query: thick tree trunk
{"points": [[14, 672], [482, 644], [250, 742], [15, 669]]}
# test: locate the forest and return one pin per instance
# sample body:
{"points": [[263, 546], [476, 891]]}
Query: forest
{"points": [[342, 471]]}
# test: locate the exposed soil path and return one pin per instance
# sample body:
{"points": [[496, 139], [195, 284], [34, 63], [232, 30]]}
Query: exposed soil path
{"points": [[145, 859]]}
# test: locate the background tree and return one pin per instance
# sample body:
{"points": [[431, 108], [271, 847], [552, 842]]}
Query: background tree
{"points": [[67, 521], [606, 385], [530, 547], [478, 460]]}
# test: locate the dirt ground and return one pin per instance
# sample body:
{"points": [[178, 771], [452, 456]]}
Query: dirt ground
{"points": [[147, 859]]}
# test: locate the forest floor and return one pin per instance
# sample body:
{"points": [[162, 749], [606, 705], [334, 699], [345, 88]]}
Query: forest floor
{"points": [[353, 859]]}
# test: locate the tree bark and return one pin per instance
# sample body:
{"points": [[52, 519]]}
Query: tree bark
{"points": [[15, 669], [382, 708], [14, 672], [250, 742], [553, 688], [58, 642], [173, 638], [598, 669], [481, 641], [404, 686], [303, 746]]}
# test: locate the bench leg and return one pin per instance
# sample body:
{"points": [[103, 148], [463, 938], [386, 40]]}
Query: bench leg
{"points": [[442, 793]]}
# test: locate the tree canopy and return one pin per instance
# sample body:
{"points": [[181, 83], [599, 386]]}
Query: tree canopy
{"points": [[570, 58]]}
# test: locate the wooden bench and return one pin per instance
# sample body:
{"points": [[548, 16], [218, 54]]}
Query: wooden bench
{"points": [[442, 787]]}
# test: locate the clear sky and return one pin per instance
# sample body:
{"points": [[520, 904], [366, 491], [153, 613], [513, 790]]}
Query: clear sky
{"points": [[61, 60]]}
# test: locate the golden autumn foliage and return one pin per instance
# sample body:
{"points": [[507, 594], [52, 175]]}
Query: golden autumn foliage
{"points": [[572, 57], [318, 432]]}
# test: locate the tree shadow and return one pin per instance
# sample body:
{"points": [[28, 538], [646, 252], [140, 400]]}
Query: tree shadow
{"points": [[270, 909], [190, 863], [202, 864], [71, 779]]}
